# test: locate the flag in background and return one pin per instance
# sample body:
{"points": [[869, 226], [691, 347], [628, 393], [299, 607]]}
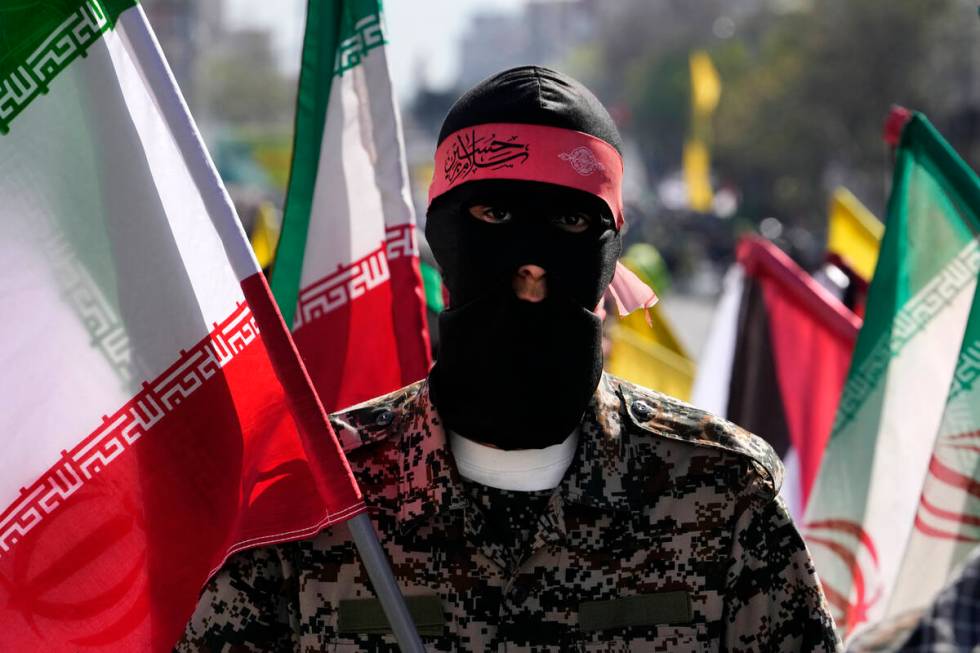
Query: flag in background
{"points": [[346, 275], [886, 477], [265, 233], [705, 93], [853, 233], [705, 84], [947, 520], [776, 360], [697, 175], [853, 241], [650, 355], [155, 416]]}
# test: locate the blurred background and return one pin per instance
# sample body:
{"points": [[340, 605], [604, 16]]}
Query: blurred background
{"points": [[775, 103]]}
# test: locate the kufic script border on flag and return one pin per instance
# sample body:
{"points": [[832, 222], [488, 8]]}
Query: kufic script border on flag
{"points": [[368, 34], [119, 432], [69, 40], [959, 274], [351, 281]]}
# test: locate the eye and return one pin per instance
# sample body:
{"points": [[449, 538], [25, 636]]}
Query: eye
{"points": [[574, 223], [490, 214]]}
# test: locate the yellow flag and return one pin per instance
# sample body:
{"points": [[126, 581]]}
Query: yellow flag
{"points": [[651, 357], [854, 233], [650, 354], [705, 93], [705, 84], [265, 234], [697, 176]]}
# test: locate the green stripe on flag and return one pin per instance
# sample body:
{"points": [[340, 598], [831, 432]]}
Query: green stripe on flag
{"points": [[319, 52], [338, 36], [955, 177], [968, 371], [930, 181], [40, 39]]}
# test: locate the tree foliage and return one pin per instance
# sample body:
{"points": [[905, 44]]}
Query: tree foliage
{"points": [[805, 91]]}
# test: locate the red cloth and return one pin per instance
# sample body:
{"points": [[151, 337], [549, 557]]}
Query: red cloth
{"points": [[552, 155], [813, 336], [227, 449]]}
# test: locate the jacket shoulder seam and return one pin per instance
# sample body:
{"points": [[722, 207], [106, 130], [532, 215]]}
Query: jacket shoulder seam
{"points": [[666, 417]]}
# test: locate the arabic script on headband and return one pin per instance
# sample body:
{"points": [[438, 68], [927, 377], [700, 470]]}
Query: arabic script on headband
{"points": [[471, 152]]}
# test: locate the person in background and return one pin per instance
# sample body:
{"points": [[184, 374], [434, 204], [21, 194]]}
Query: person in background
{"points": [[950, 624]]}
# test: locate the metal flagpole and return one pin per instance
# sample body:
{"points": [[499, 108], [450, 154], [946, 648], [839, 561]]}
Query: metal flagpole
{"points": [[158, 76], [392, 601]]}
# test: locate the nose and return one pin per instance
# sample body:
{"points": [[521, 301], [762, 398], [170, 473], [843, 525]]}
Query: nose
{"points": [[529, 283]]}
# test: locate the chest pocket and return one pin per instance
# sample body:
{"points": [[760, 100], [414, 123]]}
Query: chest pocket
{"points": [[367, 617], [363, 626], [660, 621], [658, 639]]}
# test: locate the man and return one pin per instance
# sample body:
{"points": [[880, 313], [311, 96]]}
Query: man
{"points": [[527, 501]]}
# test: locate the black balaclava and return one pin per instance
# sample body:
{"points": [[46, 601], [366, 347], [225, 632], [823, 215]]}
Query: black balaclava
{"points": [[512, 373]]}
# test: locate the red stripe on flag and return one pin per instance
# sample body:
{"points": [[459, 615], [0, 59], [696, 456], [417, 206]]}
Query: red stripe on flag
{"points": [[126, 426], [361, 330], [225, 449], [408, 310], [332, 474]]}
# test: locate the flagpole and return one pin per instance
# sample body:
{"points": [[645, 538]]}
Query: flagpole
{"points": [[379, 571], [160, 79]]}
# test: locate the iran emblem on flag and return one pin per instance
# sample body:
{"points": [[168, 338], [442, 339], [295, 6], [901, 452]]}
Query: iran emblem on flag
{"points": [[896, 505], [155, 414]]}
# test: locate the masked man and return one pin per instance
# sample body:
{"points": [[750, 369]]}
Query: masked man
{"points": [[527, 501]]}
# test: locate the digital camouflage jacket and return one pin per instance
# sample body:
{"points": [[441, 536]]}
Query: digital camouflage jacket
{"points": [[666, 534]]}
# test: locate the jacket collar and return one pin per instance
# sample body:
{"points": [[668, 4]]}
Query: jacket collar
{"points": [[429, 483]]}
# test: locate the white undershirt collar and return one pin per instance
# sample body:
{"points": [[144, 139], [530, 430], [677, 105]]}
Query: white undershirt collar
{"points": [[525, 470]]}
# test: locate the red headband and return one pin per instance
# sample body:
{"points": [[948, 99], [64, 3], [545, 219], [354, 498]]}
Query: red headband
{"points": [[530, 153]]}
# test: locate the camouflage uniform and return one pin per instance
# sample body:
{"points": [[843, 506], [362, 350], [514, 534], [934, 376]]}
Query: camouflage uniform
{"points": [[665, 534]]}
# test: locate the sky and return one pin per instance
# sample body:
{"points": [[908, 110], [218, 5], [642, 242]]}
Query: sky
{"points": [[422, 34]]}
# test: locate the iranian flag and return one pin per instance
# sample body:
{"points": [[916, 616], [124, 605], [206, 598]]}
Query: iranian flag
{"points": [[347, 269], [155, 417], [895, 506]]}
